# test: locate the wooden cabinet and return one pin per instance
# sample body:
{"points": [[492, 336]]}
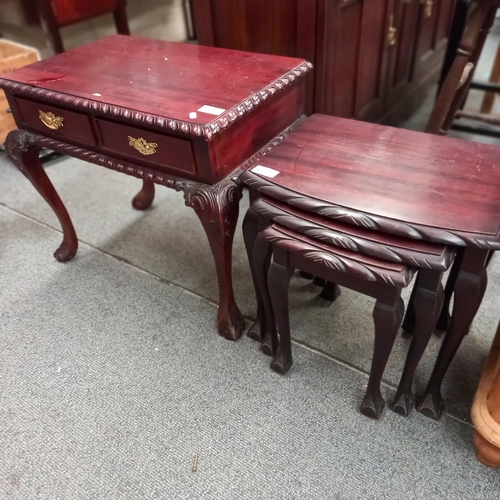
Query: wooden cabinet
{"points": [[374, 60]]}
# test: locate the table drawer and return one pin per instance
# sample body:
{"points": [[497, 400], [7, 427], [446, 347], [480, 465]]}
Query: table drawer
{"points": [[171, 153], [56, 121]]}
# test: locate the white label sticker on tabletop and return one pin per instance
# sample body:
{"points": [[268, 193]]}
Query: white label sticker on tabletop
{"points": [[265, 171], [211, 110]]}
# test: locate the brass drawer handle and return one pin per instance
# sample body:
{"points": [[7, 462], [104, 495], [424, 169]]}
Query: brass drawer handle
{"points": [[144, 147], [50, 120]]}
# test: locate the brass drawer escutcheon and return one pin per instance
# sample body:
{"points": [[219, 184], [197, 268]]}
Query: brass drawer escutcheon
{"points": [[50, 120], [144, 147]]}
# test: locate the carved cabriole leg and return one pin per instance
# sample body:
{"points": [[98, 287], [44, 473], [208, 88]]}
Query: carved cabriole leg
{"points": [[144, 198], [409, 320], [262, 252], [427, 303], [23, 151], [250, 230], [279, 280], [217, 208], [444, 318], [387, 316], [469, 290]]}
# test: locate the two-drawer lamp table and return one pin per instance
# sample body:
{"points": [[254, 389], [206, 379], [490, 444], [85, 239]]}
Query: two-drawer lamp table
{"points": [[183, 116]]}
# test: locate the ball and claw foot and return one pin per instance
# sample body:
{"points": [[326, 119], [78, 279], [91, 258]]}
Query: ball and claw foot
{"points": [[65, 253], [403, 403], [372, 406], [431, 406], [281, 363]]}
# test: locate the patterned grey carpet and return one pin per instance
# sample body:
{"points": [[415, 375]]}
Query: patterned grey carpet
{"points": [[112, 376]]}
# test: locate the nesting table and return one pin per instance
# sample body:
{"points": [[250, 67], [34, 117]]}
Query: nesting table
{"points": [[400, 182], [183, 116]]}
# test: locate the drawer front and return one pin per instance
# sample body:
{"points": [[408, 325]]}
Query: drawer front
{"points": [[56, 121], [171, 153]]}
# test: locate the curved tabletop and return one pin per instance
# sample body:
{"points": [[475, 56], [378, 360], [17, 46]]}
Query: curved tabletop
{"points": [[408, 183]]}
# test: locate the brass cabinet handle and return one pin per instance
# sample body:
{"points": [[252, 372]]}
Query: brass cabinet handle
{"points": [[391, 34], [144, 147], [50, 120], [428, 6]]}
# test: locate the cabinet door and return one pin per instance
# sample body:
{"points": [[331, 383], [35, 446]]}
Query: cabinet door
{"points": [[359, 37], [278, 27], [400, 65], [435, 20]]}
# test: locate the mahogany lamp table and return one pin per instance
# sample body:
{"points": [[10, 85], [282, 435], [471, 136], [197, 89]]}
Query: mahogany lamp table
{"points": [[183, 116], [405, 183]]}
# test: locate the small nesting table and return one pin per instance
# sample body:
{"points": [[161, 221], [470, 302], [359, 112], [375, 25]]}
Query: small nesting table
{"points": [[404, 183], [183, 116]]}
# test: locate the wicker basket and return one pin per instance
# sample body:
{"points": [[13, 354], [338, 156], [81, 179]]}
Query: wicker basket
{"points": [[12, 56]]}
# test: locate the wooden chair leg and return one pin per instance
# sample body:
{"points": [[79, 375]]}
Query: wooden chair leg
{"points": [[489, 97], [446, 97], [462, 92], [279, 280], [261, 261], [121, 20], [50, 26], [387, 318], [144, 198], [427, 305]]}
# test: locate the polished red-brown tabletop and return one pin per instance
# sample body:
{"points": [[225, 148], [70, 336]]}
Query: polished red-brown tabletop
{"points": [[405, 183], [183, 116]]}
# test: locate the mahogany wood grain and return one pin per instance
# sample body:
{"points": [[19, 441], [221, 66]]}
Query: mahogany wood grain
{"points": [[400, 58], [172, 153], [347, 42], [359, 173], [75, 126], [151, 76]]}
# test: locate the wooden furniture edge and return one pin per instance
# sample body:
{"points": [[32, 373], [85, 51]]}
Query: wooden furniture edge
{"points": [[370, 221], [208, 131]]}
